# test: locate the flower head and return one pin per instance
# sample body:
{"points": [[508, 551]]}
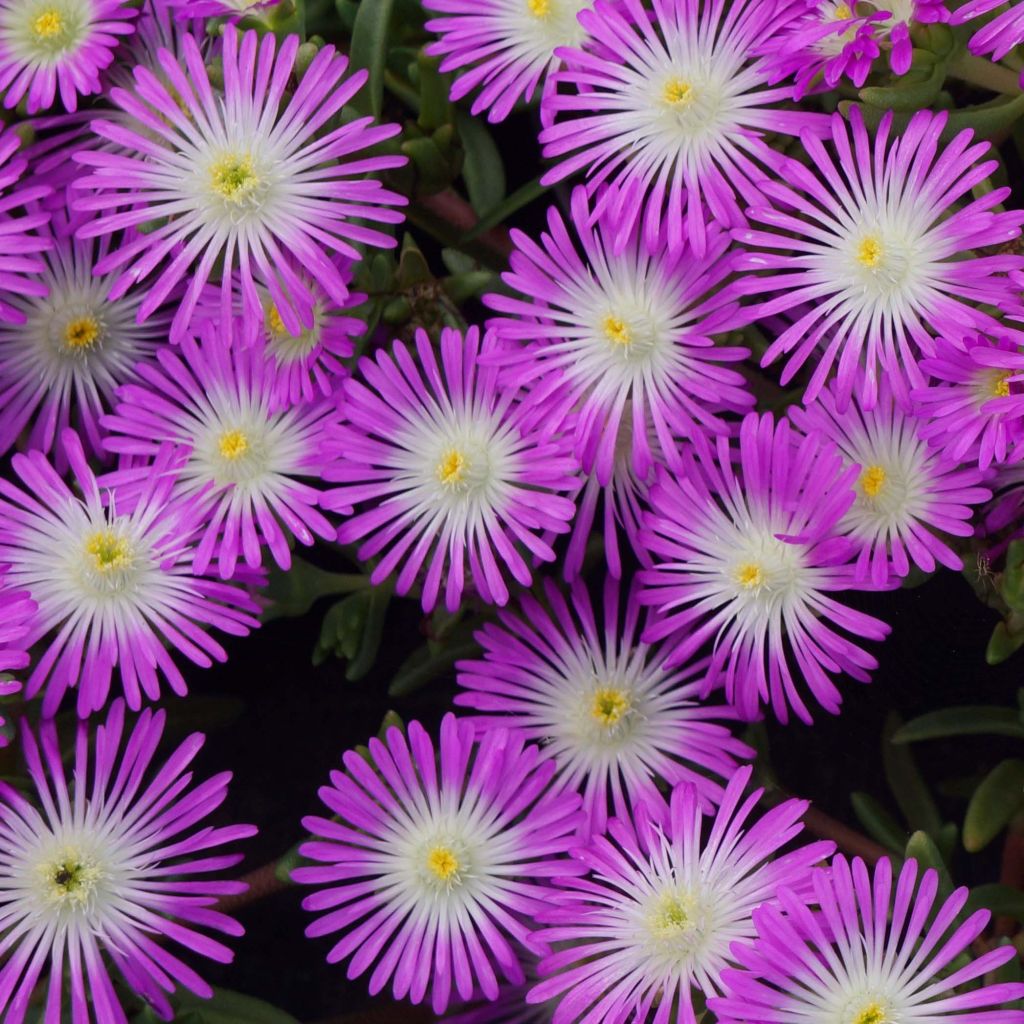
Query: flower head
{"points": [[503, 48], [58, 46], [858, 949], [456, 483], [609, 330], [974, 406], [908, 494], [240, 177], [670, 109], [73, 345], [748, 556], [246, 466], [878, 242], [424, 865], [603, 703], [115, 590], [655, 918], [98, 873]]}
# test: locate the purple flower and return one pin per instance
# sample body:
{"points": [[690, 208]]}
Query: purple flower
{"points": [[241, 178], [71, 347], [854, 947], [115, 590], [614, 327], [670, 109], [58, 46], [999, 35], [652, 922], [611, 714], [908, 493], [456, 483], [425, 862], [503, 48], [877, 242], [974, 407], [245, 466], [894, 28], [16, 612], [748, 560], [98, 874]]}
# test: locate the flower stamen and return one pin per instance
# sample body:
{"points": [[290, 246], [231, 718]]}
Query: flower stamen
{"points": [[82, 333], [539, 8], [444, 865], [233, 444], [452, 468], [872, 480], [234, 178], [617, 331], [48, 24], [870, 252], [110, 552], [678, 93], [750, 576], [610, 705]]}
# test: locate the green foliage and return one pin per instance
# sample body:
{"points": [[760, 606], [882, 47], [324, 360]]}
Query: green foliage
{"points": [[998, 799], [225, 1007]]}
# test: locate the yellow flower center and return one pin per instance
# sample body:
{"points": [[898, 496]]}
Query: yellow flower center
{"points": [[678, 93], [842, 12], [870, 252], [616, 330], [233, 444], [750, 575], [1001, 385], [871, 1014], [48, 24], [872, 480], [109, 551], [673, 916], [82, 333], [274, 321], [539, 8], [609, 705], [69, 879], [452, 468], [443, 863], [234, 178]]}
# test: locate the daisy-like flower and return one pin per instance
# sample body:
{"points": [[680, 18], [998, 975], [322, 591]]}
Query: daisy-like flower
{"points": [[999, 35], [610, 713], [60, 365], [425, 864], [974, 406], [240, 179], [246, 465], [877, 242], [456, 482], [114, 590], [748, 557], [908, 493], [859, 949], [504, 48], [899, 16], [654, 919], [670, 109], [104, 872], [609, 327], [58, 47]]}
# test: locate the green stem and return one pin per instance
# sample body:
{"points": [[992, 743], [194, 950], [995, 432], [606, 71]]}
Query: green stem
{"points": [[985, 73]]}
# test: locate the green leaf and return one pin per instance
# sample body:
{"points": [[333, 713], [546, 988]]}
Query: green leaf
{"points": [[523, 196], [998, 799], [878, 822], [1003, 643], [423, 665], [921, 848], [294, 592], [373, 630], [906, 783], [1001, 900], [369, 50], [225, 1007], [483, 170], [968, 720]]}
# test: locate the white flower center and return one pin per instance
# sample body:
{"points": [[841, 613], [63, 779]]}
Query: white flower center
{"points": [[765, 570], [462, 469], [70, 878], [234, 184], [541, 25], [286, 347], [676, 923], [991, 382], [45, 31], [109, 561]]}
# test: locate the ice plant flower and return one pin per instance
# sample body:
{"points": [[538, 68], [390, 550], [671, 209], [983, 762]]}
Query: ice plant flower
{"points": [[455, 483], [747, 557], [503, 49], [73, 345], [58, 47], [653, 920], [877, 242], [999, 35], [894, 28], [253, 471], [670, 109], [602, 328], [908, 493], [856, 947], [240, 178], [103, 872], [974, 405], [423, 869], [614, 718], [114, 590]]}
